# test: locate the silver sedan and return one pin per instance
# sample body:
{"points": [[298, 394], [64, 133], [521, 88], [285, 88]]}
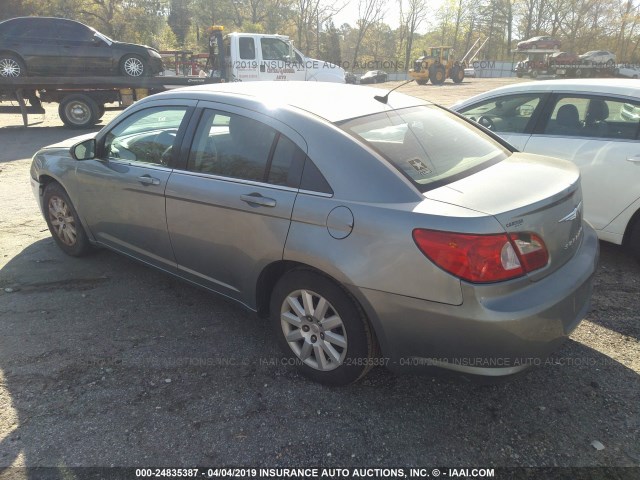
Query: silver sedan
{"points": [[370, 229]]}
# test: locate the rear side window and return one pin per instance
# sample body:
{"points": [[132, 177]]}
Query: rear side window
{"points": [[594, 117], [231, 145], [36, 28], [247, 48], [429, 145]]}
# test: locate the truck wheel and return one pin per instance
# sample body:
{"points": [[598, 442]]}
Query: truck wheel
{"points": [[133, 66], [519, 74], [534, 74], [457, 74], [101, 110], [321, 328], [78, 111], [63, 221], [11, 66], [437, 74]]}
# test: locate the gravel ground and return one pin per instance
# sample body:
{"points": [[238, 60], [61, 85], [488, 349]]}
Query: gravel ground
{"points": [[104, 362]]}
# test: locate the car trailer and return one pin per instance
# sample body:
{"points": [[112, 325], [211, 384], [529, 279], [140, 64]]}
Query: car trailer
{"points": [[82, 99], [539, 66]]}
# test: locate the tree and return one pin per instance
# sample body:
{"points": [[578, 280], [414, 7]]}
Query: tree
{"points": [[369, 13], [180, 19], [330, 45], [416, 14]]}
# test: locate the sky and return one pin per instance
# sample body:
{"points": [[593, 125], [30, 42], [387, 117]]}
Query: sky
{"points": [[349, 14]]}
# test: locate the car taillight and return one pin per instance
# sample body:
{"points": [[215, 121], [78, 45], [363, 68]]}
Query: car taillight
{"points": [[483, 258]]}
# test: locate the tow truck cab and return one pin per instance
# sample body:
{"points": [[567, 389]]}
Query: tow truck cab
{"points": [[257, 57]]}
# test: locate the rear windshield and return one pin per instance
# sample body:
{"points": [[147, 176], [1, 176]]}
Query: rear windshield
{"points": [[428, 144]]}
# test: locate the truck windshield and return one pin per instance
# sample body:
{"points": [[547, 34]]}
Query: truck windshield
{"points": [[428, 144]]}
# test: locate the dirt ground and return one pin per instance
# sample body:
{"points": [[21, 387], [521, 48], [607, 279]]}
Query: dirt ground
{"points": [[104, 362]]}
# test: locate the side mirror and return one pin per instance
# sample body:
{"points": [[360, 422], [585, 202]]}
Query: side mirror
{"points": [[84, 150]]}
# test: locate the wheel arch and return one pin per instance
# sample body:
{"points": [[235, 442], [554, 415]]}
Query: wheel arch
{"points": [[6, 51], [635, 218], [45, 179], [273, 272]]}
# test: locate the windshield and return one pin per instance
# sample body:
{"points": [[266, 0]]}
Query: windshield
{"points": [[428, 144], [102, 37]]}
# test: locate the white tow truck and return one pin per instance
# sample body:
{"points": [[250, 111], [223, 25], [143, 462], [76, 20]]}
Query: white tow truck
{"points": [[255, 57]]}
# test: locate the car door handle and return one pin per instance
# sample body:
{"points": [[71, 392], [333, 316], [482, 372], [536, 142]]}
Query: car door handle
{"points": [[257, 199], [148, 180], [634, 159]]}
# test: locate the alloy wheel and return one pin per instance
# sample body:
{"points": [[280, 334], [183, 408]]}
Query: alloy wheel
{"points": [[133, 67], [9, 68], [314, 330], [62, 221]]}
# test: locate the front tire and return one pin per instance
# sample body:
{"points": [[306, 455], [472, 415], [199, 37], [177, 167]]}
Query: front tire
{"points": [[437, 74], [321, 328], [11, 66], [63, 221], [457, 74], [133, 66]]}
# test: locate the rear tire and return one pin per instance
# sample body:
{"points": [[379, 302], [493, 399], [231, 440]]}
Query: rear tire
{"points": [[63, 221], [633, 241], [321, 328], [78, 111], [11, 66]]}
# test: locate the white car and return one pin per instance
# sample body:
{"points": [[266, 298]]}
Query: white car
{"points": [[628, 71], [594, 123], [600, 57]]}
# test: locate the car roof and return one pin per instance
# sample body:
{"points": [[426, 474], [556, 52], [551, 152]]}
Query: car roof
{"points": [[332, 101], [616, 86], [23, 19]]}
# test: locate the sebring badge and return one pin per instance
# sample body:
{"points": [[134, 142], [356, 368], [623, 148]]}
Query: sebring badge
{"points": [[573, 215]]}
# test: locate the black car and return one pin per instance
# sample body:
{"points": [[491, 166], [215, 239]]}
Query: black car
{"points": [[374, 76], [57, 46]]}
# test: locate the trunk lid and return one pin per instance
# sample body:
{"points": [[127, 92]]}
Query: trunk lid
{"points": [[526, 193]]}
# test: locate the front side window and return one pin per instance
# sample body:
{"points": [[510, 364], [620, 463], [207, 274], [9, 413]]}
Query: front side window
{"points": [[146, 136], [594, 117], [74, 32], [274, 49], [429, 145], [510, 114]]}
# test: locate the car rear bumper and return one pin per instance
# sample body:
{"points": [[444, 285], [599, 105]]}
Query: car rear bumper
{"points": [[498, 330]]}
